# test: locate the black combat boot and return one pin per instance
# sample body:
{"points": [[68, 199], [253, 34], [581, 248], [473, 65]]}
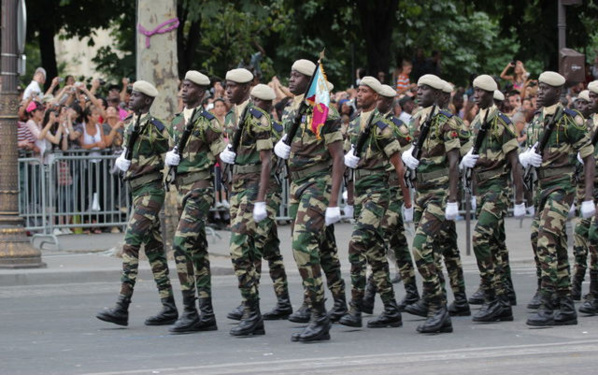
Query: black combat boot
{"points": [[302, 315], [576, 286], [119, 314], [411, 296], [353, 317], [439, 320], [511, 296], [544, 316], [339, 309], [168, 315], [282, 310], [369, 298], [477, 298], [390, 317], [252, 322], [459, 307], [566, 315], [236, 313], [536, 299], [319, 325], [189, 320], [590, 305], [207, 320], [494, 309], [419, 308]]}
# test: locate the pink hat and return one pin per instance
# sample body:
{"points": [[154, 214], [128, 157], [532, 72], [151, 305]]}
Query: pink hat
{"points": [[33, 106]]}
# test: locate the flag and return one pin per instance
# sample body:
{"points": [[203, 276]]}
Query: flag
{"points": [[318, 96]]}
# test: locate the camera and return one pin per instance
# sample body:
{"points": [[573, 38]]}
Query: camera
{"points": [[60, 79], [102, 82]]}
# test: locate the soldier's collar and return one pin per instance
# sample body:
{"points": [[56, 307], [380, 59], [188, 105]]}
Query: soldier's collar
{"points": [[187, 112], [425, 112], [239, 108], [298, 99], [482, 113], [547, 111]]}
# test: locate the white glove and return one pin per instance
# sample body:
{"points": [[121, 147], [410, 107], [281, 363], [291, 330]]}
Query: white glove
{"points": [[579, 159], [469, 160], [524, 157], [519, 210], [407, 214], [349, 211], [122, 163], [588, 209], [281, 149], [259, 211], [172, 159], [228, 156], [333, 214], [451, 211], [571, 211], [351, 160], [409, 160], [531, 210], [474, 202]]}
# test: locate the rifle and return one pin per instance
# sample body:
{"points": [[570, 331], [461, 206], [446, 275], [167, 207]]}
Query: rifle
{"points": [[476, 149], [235, 143], [363, 137], [178, 149], [579, 166], [419, 144], [133, 138], [528, 176]]}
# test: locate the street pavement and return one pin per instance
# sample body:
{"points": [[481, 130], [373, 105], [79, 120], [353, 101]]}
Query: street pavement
{"points": [[49, 325]]}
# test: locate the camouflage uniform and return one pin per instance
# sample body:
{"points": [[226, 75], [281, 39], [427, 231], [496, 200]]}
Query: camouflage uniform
{"points": [[430, 201], [255, 137], [491, 173], [194, 182], [555, 196], [145, 180]]}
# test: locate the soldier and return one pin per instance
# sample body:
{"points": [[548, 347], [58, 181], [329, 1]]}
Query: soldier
{"points": [[147, 140], [315, 161], [436, 197], [193, 163], [395, 240], [373, 146], [568, 137], [250, 154], [497, 154]]}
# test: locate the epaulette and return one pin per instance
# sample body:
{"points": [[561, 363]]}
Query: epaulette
{"points": [[445, 113], [207, 115], [571, 112], [256, 112], [277, 126], [397, 121], [504, 117], [382, 125], [158, 124]]}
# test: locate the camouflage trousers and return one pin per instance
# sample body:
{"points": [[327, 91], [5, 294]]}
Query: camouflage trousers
{"points": [[268, 244], [394, 234], [243, 248], [452, 257], [190, 243], [489, 238], [144, 228], [593, 242], [308, 200], [580, 239], [549, 240], [367, 243], [431, 228]]}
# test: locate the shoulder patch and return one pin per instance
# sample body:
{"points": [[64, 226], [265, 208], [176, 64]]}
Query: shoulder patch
{"points": [[571, 112], [277, 126], [382, 125], [158, 124], [207, 115], [445, 113], [504, 117], [397, 121], [256, 112]]}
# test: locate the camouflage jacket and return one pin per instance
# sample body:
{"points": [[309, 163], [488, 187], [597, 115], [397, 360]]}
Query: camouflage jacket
{"points": [[204, 144], [401, 133], [149, 147], [569, 136], [306, 149]]}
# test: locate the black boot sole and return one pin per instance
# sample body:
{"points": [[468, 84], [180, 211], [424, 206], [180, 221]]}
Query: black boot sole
{"points": [[113, 321], [255, 332], [443, 329], [166, 322], [323, 337], [386, 325], [298, 320]]}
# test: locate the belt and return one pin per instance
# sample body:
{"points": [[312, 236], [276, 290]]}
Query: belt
{"points": [[551, 172], [144, 179], [191, 177], [298, 175], [359, 173], [488, 175], [423, 178], [249, 168]]}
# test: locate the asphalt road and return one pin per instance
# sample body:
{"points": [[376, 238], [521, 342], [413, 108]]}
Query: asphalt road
{"points": [[52, 329]]}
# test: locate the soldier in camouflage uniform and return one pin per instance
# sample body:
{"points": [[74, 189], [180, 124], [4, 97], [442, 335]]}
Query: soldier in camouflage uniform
{"points": [[315, 161], [586, 231], [497, 153], [395, 240], [436, 197], [555, 195], [143, 172], [194, 182], [373, 146], [250, 155]]}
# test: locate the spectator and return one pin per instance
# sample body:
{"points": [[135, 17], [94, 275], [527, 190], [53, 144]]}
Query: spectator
{"points": [[519, 76], [40, 127], [69, 80], [113, 129], [34, 90], [280, 90], [217, 88], [407, 105], [219, 109], [471, 110], [403, 82], [458, 102], [382, 77], [514, 99]]}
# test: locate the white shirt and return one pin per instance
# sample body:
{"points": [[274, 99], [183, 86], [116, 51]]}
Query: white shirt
{"points": [[32, 90], [405, 117]]}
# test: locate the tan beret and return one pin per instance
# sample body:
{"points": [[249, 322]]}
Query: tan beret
{"points": [[387, 91], [305, 67], [552, 78], [584, 95], [145, 88], [197, 78], [448, 87], [485, 82], [430, 80], [593, 87], [240, 75], [263, 92], [372, 83], [498, 95]]}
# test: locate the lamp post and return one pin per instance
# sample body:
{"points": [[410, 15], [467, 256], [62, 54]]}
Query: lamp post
{"points": [[15, 249]]}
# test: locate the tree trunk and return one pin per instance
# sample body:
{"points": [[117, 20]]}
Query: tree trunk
{"points": [[48, 54]]}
